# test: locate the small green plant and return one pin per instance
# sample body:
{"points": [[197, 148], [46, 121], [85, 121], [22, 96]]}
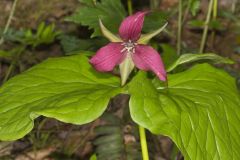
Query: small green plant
{"points": [[45, 34]]}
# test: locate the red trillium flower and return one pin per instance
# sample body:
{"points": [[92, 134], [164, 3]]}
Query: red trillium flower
{"points": [[129, 49]]}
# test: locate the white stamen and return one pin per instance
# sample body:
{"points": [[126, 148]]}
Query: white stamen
{"points": [[129, 47]]}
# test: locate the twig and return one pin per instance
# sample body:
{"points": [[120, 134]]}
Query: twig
{"points": [[8, 21]]}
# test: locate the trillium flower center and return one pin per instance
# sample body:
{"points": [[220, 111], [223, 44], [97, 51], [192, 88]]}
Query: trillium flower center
{"points": [[129, 47]]}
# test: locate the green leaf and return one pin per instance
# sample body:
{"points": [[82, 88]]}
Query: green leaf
{"points": [[45, 34], [187, 58], [154, 21], [111, 12], [93, 157], [72, 44], [194, 6], [213, 24], [10, 54], [196, 23], [199, 111], [66, 88], [4, 54], [14, 35], [88, 2], [40, 29], [227, 14]]}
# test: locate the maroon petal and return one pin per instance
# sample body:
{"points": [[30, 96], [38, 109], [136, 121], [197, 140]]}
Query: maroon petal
{"points": [[131, 27], [146, 58], [108, 57]]}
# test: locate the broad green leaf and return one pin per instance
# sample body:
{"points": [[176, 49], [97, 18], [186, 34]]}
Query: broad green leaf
{"points": [[66, 88], [188, 58], [199, 111], [111, 12]]}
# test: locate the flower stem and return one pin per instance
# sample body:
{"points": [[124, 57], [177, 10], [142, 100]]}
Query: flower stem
{"points": [[143, 143], [205, 32], [129, 4], [179, 34]]}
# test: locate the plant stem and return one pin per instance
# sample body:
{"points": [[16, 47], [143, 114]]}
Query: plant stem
{"points": [[233, 8], [154, 4], [205, 32], [143, 143], [95, 2], [9, 21], [129, 4], [13, 63], [185, 14], [143, 140], [215, 11], [179, 34], [9, 71]]}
